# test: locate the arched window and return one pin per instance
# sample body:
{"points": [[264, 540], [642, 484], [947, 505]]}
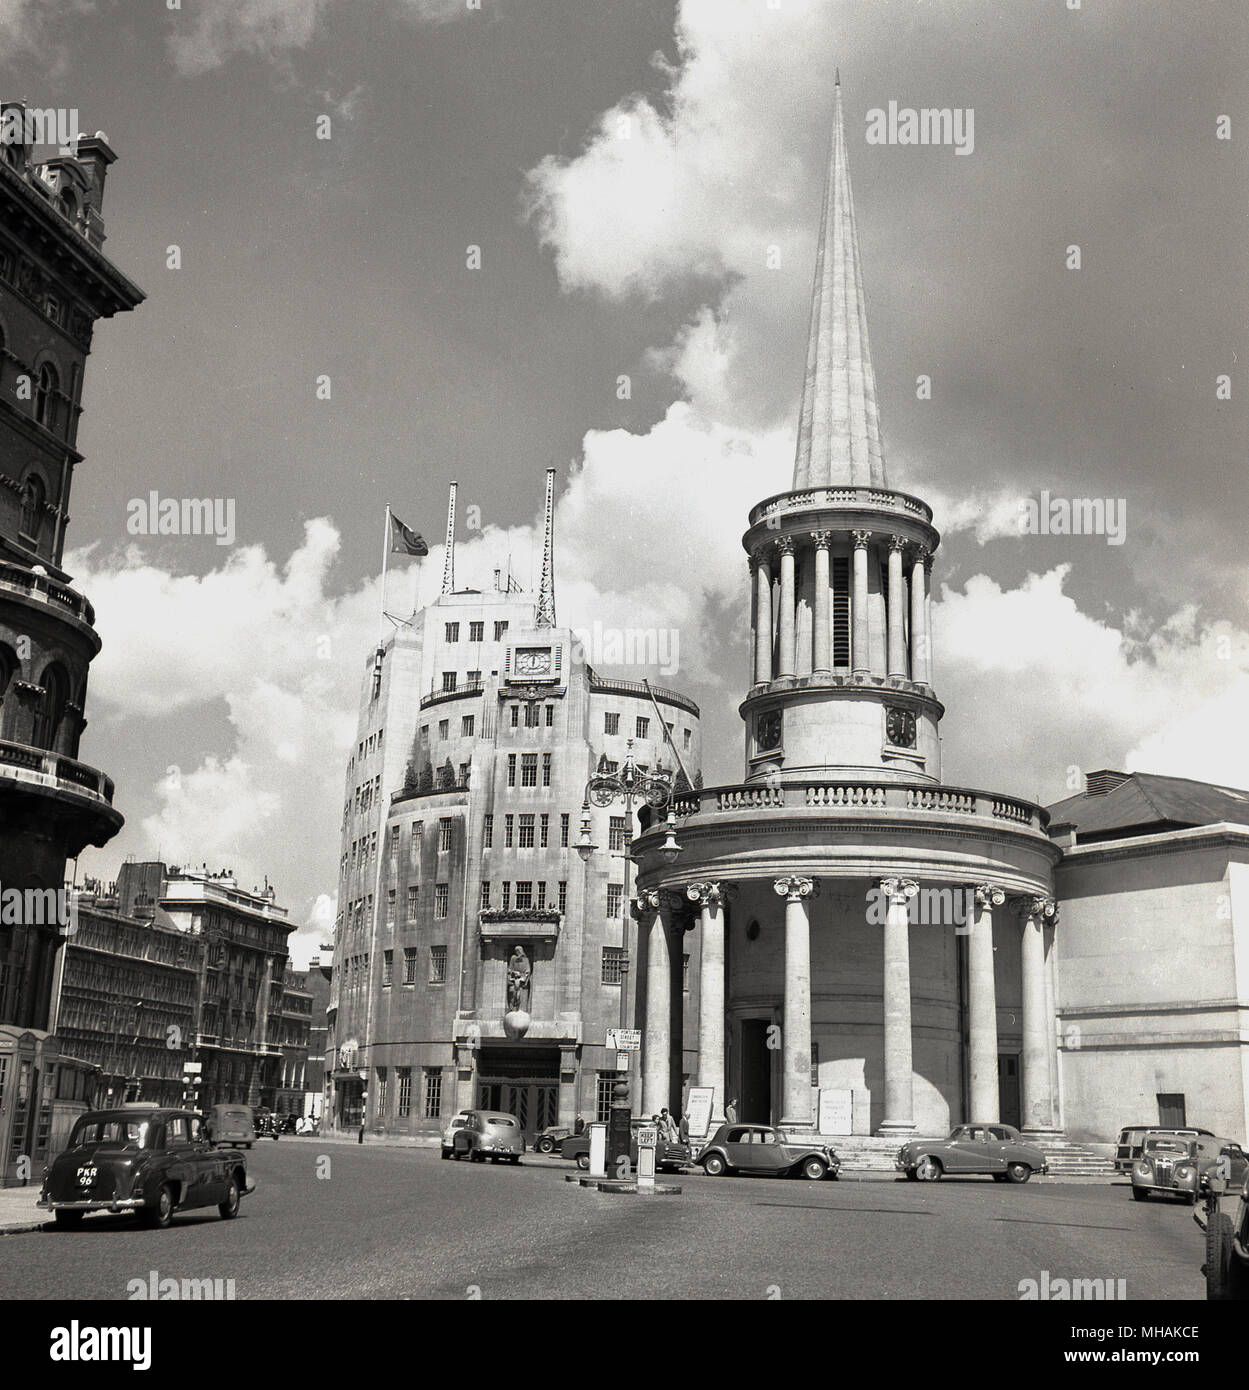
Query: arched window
{"points": [[45, 398], [51, 706], [9, 667], [33, 494]]}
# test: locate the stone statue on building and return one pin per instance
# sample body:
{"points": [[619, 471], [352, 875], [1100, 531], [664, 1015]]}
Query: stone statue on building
{"points": [[518, 974]]}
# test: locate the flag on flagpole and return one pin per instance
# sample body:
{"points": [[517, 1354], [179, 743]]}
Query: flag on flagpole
{"points": [[404, 541]]}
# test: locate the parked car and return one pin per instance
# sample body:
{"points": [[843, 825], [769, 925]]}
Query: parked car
{"points": [[267, 1126], [546, 1141], [762, 1149], [448, 1135], [1227, 1238], [230, 1125], [999, 1150], [670, 1156], [1128, 1146], [1176, 1164], [152, 1162], [488, 1134]]}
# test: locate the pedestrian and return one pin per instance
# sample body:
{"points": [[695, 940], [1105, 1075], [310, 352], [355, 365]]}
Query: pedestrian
{"points": [[683, 1132], [579, 1126], [667, 1127], [730, 1112]]}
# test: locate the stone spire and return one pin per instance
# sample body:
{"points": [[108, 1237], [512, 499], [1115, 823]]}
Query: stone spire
{"points": [[546, 594], [839, 443], [448, 563]]}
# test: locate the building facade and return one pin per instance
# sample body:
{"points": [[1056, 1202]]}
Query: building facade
{"points": [[55, 283], [876, 946], [481, 724]]}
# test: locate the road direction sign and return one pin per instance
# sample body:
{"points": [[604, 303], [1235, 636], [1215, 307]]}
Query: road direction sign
{"points": [[624, 1039]]}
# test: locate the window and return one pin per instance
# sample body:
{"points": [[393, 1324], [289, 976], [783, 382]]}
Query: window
{"points": [[643, 727], [541, 902], [404, 1098], [485, 892], [524, 894], [508, 822], [33, 494], [466, 726], [433, 1093], [613, 965], [382, 1080], [442, 897], [563, 894], [444, 728], [617, 833], [507, 896], [437, 965], [544, 834], [532, 714], [453, 632], [611, 723], [604, 1083], [529, 769], [390, 907], [499, 629], [388, 966], [394, 841], [615, 897], [546, 769], [45, 396], [444, 834], [563, 830], [685, 985], [526, 831], [515, 716], [685, 735], [448, 681], [476, 632], [511, 769], [487, 831], [474, 679], [410, 958], [550, 716], [841, 610]]}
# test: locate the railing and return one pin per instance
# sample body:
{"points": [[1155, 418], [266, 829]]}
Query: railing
{"points": [[876, 499], [45, 589], [436, 697], [860, 795], [611, 686], [57, 767]]}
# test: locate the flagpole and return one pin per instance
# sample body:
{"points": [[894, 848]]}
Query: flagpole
{"points": [[381, 622]]}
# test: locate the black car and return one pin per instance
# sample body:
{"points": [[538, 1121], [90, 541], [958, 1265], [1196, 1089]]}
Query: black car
{"points": [[670, 1156], [152, 1162]]}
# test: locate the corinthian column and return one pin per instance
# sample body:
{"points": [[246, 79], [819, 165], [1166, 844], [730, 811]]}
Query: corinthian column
{"points": [[919, 618], [1037, 1104], [897, 601], [763, 617], [709, 897], [861, 656], [788, 601], [820, 661], [982, 1007], [656, 1040], [796, 1017], [899, 1090]]}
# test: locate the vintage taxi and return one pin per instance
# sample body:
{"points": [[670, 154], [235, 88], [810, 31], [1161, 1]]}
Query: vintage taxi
{"points": [[152, 1162], [1177, 1164], [488, 1134], [761, 1149], [996, 1149]]}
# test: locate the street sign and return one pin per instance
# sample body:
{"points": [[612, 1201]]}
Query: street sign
{"points": [[648, 1144], [624, 1039], [192, 1068], [622, 1061]]}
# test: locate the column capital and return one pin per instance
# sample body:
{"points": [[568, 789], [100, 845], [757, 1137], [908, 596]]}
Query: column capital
{"points": [[794, 889], [921, 555], [927, 562], [709, 894], [646, 902], [899, 890], [760, 557], [989, 895], [898, 543], [1042, 908], [822, 539], [784, 545], [861, 539]]}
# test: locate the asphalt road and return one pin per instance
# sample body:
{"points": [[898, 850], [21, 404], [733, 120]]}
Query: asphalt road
{"points": [[331, 1220]]}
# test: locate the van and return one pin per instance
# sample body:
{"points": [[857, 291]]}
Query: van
{"points": [[1131, 1137], [231, 1126]]}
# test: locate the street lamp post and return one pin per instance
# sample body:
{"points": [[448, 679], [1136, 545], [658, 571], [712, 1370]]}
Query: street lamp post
{"points": [[603, 789]]}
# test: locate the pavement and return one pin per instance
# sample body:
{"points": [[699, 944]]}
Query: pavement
{"points": [[333, 1219]]}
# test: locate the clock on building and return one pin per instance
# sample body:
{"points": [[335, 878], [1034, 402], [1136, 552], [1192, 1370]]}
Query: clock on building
{"points": [[533, 661], [768, 731], [900, 728]]}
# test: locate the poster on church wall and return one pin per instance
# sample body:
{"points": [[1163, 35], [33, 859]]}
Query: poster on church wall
{"points": [[699, 1103], [836, 1112]]}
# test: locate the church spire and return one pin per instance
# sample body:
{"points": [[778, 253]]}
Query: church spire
{"points": [[448, 563], [839, 441], [546, 594]]}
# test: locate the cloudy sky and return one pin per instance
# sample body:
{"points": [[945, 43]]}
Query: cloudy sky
{"points": [[642, 178]]}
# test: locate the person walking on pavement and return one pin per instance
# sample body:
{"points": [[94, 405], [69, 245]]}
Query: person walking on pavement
{"points": [[730, 1112]]}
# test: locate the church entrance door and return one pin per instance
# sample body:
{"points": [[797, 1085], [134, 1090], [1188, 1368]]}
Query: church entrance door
{"points": [[1008, 1088], [755, 1106]]}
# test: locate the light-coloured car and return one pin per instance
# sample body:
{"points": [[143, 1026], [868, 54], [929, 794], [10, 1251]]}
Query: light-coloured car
{"points": [[448, 1135], [1131, 1137], [997, 1149], [488, 1134], [1176, 1164], [761, 1149]]}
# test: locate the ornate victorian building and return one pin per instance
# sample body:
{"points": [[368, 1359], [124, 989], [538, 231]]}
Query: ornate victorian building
{"points": [[876, 947]]}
